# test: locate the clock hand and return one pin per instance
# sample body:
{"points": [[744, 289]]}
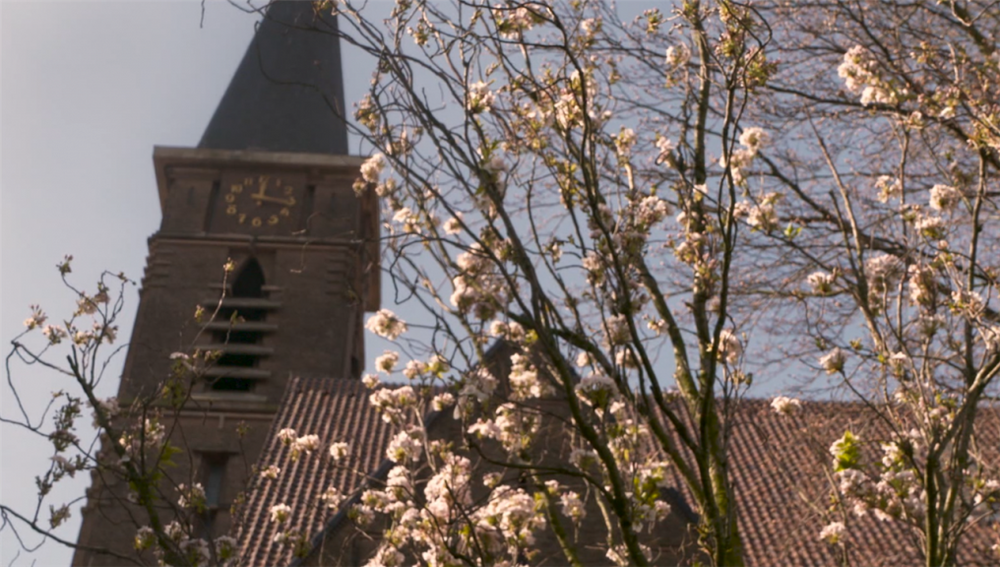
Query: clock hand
{"points": [[287, 202], [262, 188]]}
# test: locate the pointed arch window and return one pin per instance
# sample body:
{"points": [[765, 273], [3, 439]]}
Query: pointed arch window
{"points": [[249, 281]]}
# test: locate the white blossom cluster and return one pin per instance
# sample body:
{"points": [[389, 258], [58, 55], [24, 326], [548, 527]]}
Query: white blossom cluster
{"points": [[479, 289], [442, 517], [882, 272], [738, 160], [148, 435], [524, 380], [894, 490], [515, 18], [375, 165], [408, 219], [569, 110], [37, 319], [821, 282], [512, 426], [833, 361], [597, 391], [196, 552], [405, 446], [860, 73], [729, 348], [512, 331], [339, 451], [944, 197], [102, 329], [371, 169], [298, 446], [191, 497], [109, 407], [678, 55], [393, 403], [480, 98], [386, 363], [833, 532], [386, 324], [761, 215], [453, 225], [888, 188], [784, 405], [922, 285]]}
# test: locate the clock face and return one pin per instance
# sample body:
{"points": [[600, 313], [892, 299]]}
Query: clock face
{"points": [[260, 203]]}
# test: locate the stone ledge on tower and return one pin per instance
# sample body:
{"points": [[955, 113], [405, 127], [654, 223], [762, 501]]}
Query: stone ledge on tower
{"points": [[195, 197]]}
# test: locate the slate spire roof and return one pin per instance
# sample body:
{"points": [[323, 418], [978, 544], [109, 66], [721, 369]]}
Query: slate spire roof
{"points": [[288, 90]]}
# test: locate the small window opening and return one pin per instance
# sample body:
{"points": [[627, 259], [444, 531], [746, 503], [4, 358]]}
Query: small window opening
{"points": [[250, 281], [213, 476]]}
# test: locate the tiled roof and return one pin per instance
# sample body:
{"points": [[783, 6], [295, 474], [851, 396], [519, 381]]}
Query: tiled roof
{"points": [[335, 410], [777, 466]]}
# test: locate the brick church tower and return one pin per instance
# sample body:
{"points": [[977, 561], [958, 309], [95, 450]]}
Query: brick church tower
{"points": [[270, 187]]}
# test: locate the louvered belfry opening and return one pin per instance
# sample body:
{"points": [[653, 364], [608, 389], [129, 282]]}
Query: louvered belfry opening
{"points": [[238, 332]]}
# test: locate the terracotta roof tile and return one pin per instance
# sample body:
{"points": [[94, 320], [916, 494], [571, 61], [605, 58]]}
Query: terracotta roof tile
{"points": [[335, 410], [777, 467]]}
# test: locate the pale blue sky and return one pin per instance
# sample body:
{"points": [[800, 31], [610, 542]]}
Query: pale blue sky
{"points": [[86, 90]]}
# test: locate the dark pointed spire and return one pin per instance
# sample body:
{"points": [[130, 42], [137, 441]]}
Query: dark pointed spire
{"points": [[282, 96]]}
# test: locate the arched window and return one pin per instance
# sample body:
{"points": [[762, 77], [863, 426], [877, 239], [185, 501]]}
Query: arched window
{"points": [[249, 281]]}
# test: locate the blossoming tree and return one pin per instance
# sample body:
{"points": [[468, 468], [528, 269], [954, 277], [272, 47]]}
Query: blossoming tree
{"points": [[131, 452], [560, 191], [870, 210], [883, 247], [600, 192]]}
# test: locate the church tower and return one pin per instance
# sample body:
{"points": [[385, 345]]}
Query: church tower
{"points": [[269, 187]]}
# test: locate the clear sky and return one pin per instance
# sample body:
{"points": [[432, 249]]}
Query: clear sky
{"points": [[86, 90]]}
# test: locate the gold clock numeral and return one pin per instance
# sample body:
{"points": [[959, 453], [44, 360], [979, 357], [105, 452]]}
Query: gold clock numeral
{"points": [[272, 208]]}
